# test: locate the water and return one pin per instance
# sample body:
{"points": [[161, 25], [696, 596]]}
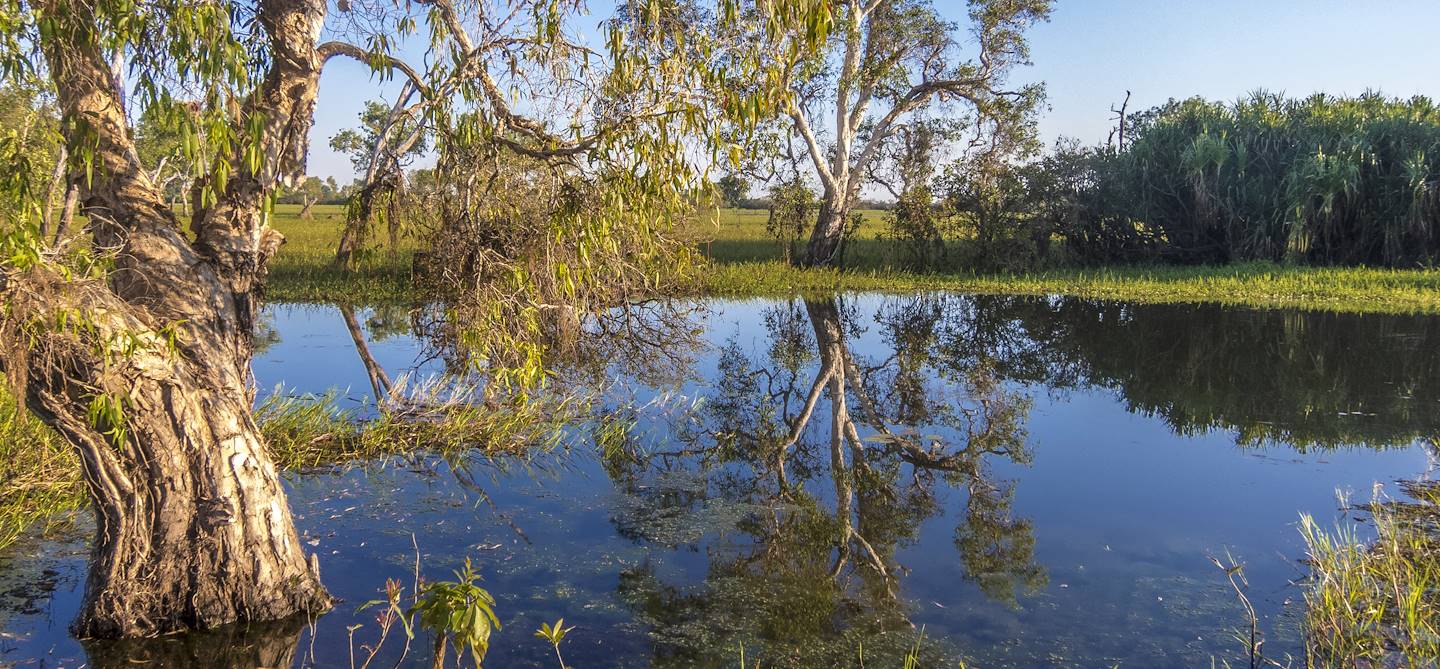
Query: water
{"points": [[1036, 482]]}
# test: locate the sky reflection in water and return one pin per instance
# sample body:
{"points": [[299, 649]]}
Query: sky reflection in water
{"points": [[1030, 482]]}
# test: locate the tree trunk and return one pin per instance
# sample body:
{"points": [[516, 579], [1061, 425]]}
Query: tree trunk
{"points": [[825, 240], [192, 526], [359, 214], [147, 371]]}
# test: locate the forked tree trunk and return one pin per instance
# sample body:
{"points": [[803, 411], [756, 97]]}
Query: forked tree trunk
{"points": [[305, 208], [147, 372], [829, 232]]}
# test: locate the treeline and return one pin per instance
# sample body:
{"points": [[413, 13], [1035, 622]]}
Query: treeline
{"points": [[1322, 180]]}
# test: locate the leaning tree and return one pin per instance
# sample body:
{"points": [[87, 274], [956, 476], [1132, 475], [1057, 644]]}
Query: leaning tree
{"points": [[886, 60], [134, 339]]}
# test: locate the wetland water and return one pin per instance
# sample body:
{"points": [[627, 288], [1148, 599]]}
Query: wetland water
{"points": [[1015, 481]]}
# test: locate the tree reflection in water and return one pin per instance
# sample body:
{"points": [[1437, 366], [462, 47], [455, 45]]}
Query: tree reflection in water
{"points": [[823, 465]]}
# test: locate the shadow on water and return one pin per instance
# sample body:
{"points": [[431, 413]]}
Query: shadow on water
{"points": [[273, 644], [1018, 481]]}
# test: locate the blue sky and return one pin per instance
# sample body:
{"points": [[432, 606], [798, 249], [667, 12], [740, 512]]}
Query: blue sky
{"points": [[1092, 51]]}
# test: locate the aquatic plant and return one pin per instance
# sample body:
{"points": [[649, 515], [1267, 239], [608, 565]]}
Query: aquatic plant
{"points": [[555, 634], [1377, 601], [458, 610]]}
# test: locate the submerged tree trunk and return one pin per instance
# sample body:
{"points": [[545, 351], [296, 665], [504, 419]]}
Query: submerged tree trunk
{"points": [[147, 371], [192, 526]]}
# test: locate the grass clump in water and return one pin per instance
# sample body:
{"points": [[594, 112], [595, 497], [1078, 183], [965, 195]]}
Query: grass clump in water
{"points": [[1377, 603], [39, 475], [307, 431]]}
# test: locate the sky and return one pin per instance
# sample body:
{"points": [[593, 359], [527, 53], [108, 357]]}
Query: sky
{"points": [[1092, 51]]}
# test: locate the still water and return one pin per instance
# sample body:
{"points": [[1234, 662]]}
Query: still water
{"points": [[1012, 481]]}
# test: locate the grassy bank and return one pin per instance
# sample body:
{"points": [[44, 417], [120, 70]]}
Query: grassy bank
{"points": [[744, 262], [1358, 290]]}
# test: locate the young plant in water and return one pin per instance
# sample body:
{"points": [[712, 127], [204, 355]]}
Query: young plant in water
{"points": [[460, 609], [555, 634]]}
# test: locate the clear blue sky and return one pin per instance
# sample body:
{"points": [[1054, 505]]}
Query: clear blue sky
{"points": [[1092, 51]]}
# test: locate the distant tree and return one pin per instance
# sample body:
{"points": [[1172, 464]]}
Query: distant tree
{"points": [[360, 143], [792, 204], [31, 153], [886, 60], [160, 143], [733, 190]]}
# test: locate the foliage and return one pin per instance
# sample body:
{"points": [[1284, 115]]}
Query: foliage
{"points": [[39, 475], [792, 206], [555, 634], [361, 143], [884, 63], [460, 610], [29, 144], [734, 190], [1319, 180]]}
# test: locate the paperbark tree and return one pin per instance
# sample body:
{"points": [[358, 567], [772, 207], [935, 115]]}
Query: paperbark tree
{"points": [[885, 61], [136, 345], [141, 360]]}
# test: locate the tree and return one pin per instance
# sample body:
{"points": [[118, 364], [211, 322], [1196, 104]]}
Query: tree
{"points": [[136, 346], [733, 190], [360, 143], [144, 368], [885, 61], [387, 141]]}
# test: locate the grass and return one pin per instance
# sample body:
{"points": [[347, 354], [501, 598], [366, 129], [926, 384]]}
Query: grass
{"points": [[745, 262], [39, 475], [1377, 603], [309, 431]]}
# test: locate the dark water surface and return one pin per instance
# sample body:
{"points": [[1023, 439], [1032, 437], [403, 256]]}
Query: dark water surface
{"points": [[1018, 482]]}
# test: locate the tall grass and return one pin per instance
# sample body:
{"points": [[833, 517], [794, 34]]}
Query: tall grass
{"points": [[39, 474], [306, 431], [1377, 603], [1320, 180]]}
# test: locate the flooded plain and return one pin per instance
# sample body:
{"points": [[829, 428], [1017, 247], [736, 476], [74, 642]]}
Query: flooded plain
{"points": [[1009, 481]]}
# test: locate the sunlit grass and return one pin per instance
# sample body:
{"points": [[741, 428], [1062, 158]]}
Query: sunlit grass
{"points": [[306, 431], [745, 262], [39, 475], [1377, 601], [1360, 290]]}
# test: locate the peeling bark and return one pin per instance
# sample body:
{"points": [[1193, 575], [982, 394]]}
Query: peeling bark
{"points": [[193, 528]]}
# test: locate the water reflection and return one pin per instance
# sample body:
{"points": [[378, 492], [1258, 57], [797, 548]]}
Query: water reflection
{"points": [[1021, 482], [827, 461], [1302, 379], [272, 644]]}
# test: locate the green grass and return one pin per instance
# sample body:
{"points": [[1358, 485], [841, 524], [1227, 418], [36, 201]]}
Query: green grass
{"points": [[39, 475], [303, 271], [1358, 290], [1377, 603], [745, 262]]}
